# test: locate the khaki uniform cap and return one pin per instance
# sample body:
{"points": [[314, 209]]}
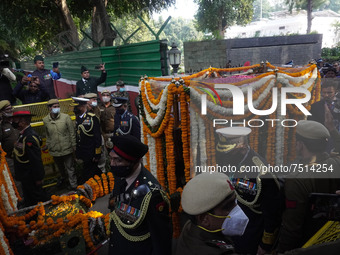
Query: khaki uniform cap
{"points": [[106, 91], [205, 191], [53, 101], [90, 95], [311, 129], [4, 104]]}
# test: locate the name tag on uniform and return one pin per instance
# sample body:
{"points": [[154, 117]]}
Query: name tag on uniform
{"points": [[47, 76], [124, 123]]}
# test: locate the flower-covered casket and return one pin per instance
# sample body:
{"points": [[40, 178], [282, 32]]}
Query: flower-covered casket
{"points": [[65, 224], [180, 129]]}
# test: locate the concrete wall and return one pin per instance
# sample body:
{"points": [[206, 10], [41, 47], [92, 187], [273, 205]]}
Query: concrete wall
{"points": [[277, 50]]}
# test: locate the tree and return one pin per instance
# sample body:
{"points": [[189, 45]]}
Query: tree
{"points": [[308, 5], [37, 22], [262, 9], [216, 16]]}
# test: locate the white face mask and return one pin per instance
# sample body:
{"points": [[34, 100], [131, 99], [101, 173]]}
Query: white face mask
{"points": [[94, 104], [106, 99], [236, 222], [55, 110]]}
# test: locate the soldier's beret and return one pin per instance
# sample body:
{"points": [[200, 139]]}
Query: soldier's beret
{"points": [[129, 147], [118, 101], [38, 58], [311, 129], [79, 101], [52, 102], [4, 104], [91, 95], [120, 83], [22, 112], [83, 69], [205, 191]]}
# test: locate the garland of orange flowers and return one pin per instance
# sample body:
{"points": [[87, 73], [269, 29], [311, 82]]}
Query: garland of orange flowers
{"points": [[170, 157], [100, 185], [111, 181], [4, 162], [185, 128], [160, 161], [2, 249], [105, 184]]}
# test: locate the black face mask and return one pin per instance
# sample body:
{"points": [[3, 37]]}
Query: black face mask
{"points": [[15, 125], [120, 111], [76, 111], [121, 171]]}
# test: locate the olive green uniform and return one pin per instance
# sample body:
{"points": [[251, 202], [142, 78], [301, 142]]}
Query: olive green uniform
{"points": [[297, 225]]}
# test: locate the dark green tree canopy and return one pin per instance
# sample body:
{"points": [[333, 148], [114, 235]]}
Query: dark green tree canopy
{"points": [[217, 15]]}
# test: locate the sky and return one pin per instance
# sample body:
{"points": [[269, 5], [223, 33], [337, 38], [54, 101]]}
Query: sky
{"points": [[183, 8]]}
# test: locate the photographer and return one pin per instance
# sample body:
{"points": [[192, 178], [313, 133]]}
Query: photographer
{"points": [[6, 76], [34, 94]]}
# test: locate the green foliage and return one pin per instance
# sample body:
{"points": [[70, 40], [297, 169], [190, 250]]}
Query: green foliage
{"points": [[266, 9], [330, 54], [216, 16], [333, 5], [179, 30], [27, 25]]}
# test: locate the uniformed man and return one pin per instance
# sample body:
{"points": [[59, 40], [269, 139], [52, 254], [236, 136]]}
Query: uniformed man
{"points": [[28, 165], [88, 138], [107, 114], [125, 122], [92, 107], [210, 201], [8, 136], [297, 224], [258, 194], [140, 222], [89, 84], [92, 104], [121, 92]]}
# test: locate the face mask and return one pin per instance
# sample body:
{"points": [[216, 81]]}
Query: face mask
{"points": [[106, 99], [236, 222], [94, 104], [120, 111], [122, 89], [121, 171], [55, 110], [15, 125], [76, 111]]}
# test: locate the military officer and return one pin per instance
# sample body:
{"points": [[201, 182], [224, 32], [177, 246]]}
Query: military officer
{"points": [[107, 115], [89, 84], [125, 122], [8, 136], [88, 138], [121, 92], [257, 193], [210, 201], [311, 143], [28, 165], [92, 104], [140, 222]]}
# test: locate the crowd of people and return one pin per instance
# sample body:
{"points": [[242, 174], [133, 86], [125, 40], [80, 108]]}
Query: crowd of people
{"points": [[254, 213]]}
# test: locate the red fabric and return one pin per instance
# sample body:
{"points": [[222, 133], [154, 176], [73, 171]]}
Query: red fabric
{"points": [[247, 63], [21, 113], [123, 154]]}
